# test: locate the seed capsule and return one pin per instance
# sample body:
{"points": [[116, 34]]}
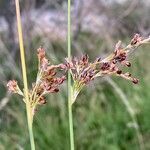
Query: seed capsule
{"points": [[135, 81], [119, 71], [128, 64]]}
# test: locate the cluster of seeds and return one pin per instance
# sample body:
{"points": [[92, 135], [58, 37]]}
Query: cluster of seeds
{"points": [[47, 82], [81, 69], [84, 71]]}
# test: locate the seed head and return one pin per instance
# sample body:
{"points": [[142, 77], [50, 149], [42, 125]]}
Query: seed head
{"points": [[136, 39], [41, 53], [12, 86], [48, 81]]}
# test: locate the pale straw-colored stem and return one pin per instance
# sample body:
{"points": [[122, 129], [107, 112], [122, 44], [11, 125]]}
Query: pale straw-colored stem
{"points": [[24, 73]]}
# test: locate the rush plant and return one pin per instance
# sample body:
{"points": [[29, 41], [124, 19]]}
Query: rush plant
{"points": [[80, 73], [47, 82]]}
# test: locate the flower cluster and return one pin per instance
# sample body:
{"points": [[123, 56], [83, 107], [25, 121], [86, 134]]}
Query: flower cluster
{"points": [[81, 69], [47, 81], [84, 71], [13, 87]]}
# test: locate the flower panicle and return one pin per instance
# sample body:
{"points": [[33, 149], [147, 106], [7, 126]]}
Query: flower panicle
{"points": [[84, 71], [13, 87], [48, 81]]}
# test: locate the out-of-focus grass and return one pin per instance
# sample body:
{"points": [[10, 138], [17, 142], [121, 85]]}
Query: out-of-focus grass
{"points": [[101, 120]]}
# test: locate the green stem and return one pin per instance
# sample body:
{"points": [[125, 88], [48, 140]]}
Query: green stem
{"points": [[24, 73], [70, 96], [69, 81]]}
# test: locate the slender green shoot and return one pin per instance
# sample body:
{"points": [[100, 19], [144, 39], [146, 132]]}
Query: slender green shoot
{"points": [[69, 81]]}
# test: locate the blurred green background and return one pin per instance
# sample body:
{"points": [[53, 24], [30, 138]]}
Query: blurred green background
{"points": [[109, 114]]}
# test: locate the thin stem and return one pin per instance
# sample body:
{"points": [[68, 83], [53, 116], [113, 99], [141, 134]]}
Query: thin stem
{"points": [[24, 73], [69, 81]]}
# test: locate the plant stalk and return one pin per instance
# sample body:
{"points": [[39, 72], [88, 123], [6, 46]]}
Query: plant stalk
{"points": [[70, 94], [24, 74]]}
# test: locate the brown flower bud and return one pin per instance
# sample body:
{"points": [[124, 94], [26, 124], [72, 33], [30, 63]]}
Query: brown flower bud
{"points": [[105, 66], [85, 58], [44, 63], [119, 71], [42, 100], [12, 86], [54, 90], [128, 74], [136, 39], [128, 64], [41, 53], [98, 59], [121, 57], [135, 81]]}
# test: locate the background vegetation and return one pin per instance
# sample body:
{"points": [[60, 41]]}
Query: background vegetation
{"points": [[101, 118]]}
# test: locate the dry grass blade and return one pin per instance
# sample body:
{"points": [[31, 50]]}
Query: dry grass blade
{"points": [[4, 101]]}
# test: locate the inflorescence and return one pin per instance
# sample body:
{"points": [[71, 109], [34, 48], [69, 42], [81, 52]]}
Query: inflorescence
{"points": [[81, 69], [47, 82]]}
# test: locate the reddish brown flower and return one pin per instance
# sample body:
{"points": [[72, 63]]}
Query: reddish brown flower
{"points": [[44, 63], [12, 86], [105, 66], [41, 53], [42, 100], [136, 39]]}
